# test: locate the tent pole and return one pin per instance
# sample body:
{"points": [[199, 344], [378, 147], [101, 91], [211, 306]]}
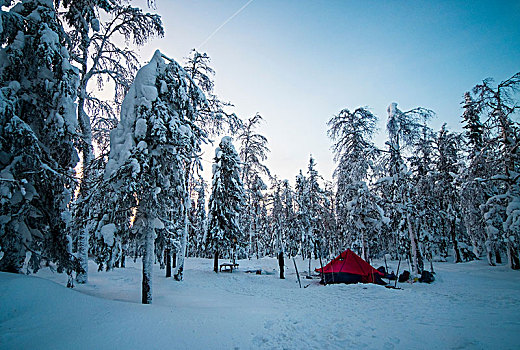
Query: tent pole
{"points": [[297, 274], [321, 264], [397, 277]]}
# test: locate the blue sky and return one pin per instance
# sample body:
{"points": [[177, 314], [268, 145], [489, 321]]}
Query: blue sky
{"points": [[299, 62]]}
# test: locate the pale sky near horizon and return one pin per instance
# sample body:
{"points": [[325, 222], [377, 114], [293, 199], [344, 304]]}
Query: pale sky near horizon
{"points": [[298, 63]]}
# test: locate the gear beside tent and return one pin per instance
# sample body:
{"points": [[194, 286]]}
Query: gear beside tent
{"points": [[348, 267]]}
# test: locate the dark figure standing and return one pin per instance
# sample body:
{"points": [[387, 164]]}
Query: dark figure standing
{"points": [[281, 264]]}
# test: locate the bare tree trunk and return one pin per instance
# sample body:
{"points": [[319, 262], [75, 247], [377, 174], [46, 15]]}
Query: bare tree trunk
{"points": [[250, 247], [413, 246], [363, 245], [498, 258], [453, 234], [180, 268], [512, 254], [187, 205], [281, 265], [215, 261], [474, 245], [87, 151], [168, 256], [509, 149], [310, 256], [82, 276], [489, 250], [148, 255], [489, 256]]}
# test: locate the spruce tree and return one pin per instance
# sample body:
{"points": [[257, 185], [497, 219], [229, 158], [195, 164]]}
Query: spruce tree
{"points": [[358, 209], [148, 152], [253, 152], [37, 132], [226, 201], [447, 160]]}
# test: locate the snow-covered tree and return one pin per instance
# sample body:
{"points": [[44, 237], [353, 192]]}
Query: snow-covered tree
{"points": [[447, 167], [424, 194], [213, 117], [148, 151], [277, 221], [290, 219], [501, 212], [200, 220], [226, 201], [332, 244], [473, 192], [254, 194], [37, 131], [311, 202], [210, 119], [253, 152], [357, 207], [302, 213], [98, 30], [403, 129]]}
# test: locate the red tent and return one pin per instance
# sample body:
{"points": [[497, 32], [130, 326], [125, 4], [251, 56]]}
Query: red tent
{"points": [[348, 267]]}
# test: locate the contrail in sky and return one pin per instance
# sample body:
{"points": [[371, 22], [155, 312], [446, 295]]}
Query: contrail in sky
{"points": [[225, 22]]}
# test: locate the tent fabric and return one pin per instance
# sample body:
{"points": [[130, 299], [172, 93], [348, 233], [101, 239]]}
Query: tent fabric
{"points": [[349, 263]]}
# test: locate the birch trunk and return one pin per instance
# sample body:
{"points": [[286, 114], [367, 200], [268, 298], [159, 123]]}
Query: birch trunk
{"points": [[179, 270], [82, 277], [413, 246], [87, 151]]}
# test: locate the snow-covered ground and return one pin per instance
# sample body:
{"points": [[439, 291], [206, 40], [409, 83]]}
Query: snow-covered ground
{"points": [[469, 306]]}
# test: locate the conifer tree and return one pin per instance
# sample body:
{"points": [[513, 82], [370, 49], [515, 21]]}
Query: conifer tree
{"points": [[290, 219], [210, 119], [425, 195], [200, 222], [358, 208], [37, 132], [97, 29], [253, 152], [149, 149], [225, 203], [447, 147]]}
